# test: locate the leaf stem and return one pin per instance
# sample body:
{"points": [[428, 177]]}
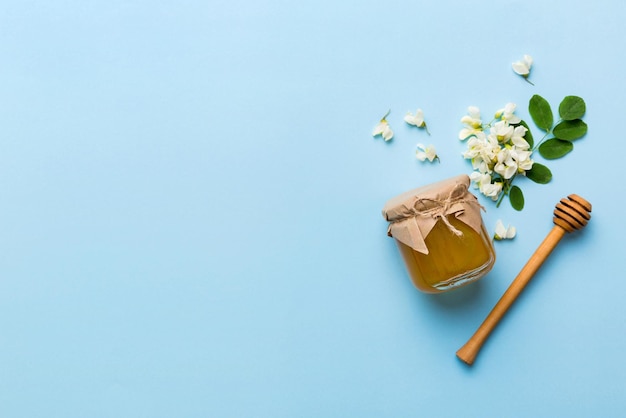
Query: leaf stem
{"points": [[547, 133], [488, 126], [506, 185], [500, 198], [542, 140]]}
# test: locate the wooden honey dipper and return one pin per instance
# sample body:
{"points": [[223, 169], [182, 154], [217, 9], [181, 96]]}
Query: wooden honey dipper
{"points": [[571, 213]]}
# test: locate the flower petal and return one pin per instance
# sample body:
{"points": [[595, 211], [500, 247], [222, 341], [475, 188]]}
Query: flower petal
{"points": [[378, 129], [387, 132], [521, 68], [500, 230], [528, 60]]}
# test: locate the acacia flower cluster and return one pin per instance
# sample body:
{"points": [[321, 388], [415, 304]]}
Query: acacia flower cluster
{"points": [[498, 150], [501, 151]]}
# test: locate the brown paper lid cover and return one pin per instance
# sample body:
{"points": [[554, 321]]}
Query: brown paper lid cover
{"points": [[413, 214]]}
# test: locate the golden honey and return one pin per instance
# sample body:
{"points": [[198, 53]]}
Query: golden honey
{"points": [[441, 235], [452, 260]]}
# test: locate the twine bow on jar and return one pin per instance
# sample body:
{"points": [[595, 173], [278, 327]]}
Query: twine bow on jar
{"points": [[413, 215]]}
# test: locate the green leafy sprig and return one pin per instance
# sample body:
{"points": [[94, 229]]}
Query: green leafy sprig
{"points": [[557, 141], [502, 150]]}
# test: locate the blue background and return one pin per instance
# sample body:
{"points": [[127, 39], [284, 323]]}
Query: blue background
{"points": [[190, 202]]}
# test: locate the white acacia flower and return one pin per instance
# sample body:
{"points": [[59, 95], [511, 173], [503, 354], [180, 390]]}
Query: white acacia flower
{"points": [[479, 179], [475, 177], [507, 114], [523, 67], [383, 129], [472, 118], [474, 148], [491, 190], [506, 165], [481, 153], [416, 119], [503, 232], [518, 138], [473, 123], [523, 160], [490, 149], [482, 166], [502, 131], [483, 182], [424, 153]]}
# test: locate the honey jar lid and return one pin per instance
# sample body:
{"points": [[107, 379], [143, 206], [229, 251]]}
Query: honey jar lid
{"points": [[413, 214]]}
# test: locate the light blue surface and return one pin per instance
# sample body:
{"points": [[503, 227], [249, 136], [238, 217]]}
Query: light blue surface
{"points": [[190, 210]]}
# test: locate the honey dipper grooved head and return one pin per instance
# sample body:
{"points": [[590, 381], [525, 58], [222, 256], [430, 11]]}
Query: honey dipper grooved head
{"points": [[572, 213]]}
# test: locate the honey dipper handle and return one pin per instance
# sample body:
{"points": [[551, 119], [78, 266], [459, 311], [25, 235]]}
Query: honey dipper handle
{"points": [[468, 352]]}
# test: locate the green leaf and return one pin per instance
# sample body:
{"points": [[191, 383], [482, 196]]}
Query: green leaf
{"points": [[572, 107], [555, 148], [529, 136], [539, 174], [570, 130], [540, 111], [516, 197]]}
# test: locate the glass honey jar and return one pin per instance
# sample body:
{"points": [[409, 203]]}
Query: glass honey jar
{"points": [[441, 235]]}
